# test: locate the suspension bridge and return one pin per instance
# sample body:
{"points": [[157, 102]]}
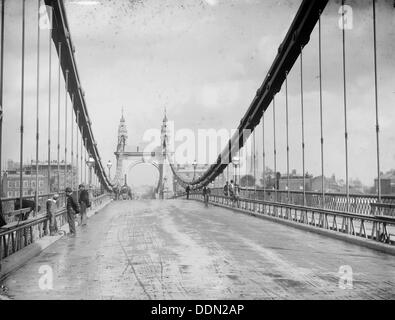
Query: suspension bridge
{"points": [[278, 240]]}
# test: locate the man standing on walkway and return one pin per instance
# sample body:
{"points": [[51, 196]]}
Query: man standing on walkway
{"points": [[71, 210], [188, 190], [206, 195], [51, 214], [84, 203], [226, 189], [231, 192], [2, 220]]}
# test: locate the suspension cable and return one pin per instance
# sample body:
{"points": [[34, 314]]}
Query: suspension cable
{"points": [[59, 66], [287, 131], [1, 91], [65, 129], [321, 110], [263, 154], [86, 148], [37, 105], [302, 114], [376, 104], [254, 146], [274, 147], [72, 142], [22, 103], [77, 148], [345, 106], [238, 170], [49, 98], [81, 155], [246, 166]]}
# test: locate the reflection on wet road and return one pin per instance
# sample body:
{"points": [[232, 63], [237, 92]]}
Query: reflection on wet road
{"points": [[181, 250]]}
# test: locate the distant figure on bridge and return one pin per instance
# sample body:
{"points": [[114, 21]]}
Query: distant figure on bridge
{"points": [[231, 189], [226, 189], [85, 203], [206, 195], [188, 190], [2, 220], [234, 193], [51, 214], [72, 209], [25, 205], [126, 193], [116, 192]]}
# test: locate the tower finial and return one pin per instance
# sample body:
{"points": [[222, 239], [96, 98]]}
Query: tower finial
{"points": [[122, 117], [165, 117]]}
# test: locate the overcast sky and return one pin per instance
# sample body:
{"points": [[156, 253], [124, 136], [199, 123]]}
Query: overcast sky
{"points": [[203, 60]]}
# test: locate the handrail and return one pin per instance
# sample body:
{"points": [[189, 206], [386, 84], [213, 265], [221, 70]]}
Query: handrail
{"points": [[368, 195], [359, 203], [374, 227], [302, 208], [17, 235]]}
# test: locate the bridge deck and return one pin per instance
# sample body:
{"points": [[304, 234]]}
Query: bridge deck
{"points": [[181, 250]]}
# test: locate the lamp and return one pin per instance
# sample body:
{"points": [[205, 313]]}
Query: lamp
{"points": [[236, 162], [109, 165]]}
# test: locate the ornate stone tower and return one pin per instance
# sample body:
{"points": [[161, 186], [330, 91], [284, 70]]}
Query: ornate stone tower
{"points": [[165, 170], [122, 139]]}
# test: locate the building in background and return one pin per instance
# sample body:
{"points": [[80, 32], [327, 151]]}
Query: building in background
{"points": [[71, 174], [331, 185], [11, 184], [11, 177], [295, 183], [387, 183]]}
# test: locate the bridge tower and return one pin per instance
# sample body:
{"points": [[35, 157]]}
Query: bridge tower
{"points": [[122, 139], [166, 175]]}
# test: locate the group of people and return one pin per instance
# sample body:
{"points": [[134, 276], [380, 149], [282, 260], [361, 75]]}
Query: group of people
{"points": [[73, 207], [232, 190], [205, 191]]}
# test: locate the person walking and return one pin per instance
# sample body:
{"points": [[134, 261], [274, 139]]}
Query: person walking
{"points": [[206, 195], [188, 190], [2, 220], [72, 209], [237, 195], [231, 191], [51, 215], [84, 201], [226, 189]]}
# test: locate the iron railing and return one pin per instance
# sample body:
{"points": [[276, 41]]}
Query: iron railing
{"points": [[19, 234], [374, 227], [358, 203]]}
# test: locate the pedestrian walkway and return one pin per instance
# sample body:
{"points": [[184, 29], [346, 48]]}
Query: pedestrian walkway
{"points": [[181, 250]]}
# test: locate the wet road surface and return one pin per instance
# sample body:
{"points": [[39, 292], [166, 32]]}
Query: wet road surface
{"points": [[180, 250]]}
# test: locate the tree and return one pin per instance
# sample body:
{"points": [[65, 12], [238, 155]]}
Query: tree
{"points": [[247, 181], [270, 178]]}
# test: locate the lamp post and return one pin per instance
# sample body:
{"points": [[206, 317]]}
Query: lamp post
{"points": [[109, 165], [194, 164], [90, 163], [236, 162]]}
